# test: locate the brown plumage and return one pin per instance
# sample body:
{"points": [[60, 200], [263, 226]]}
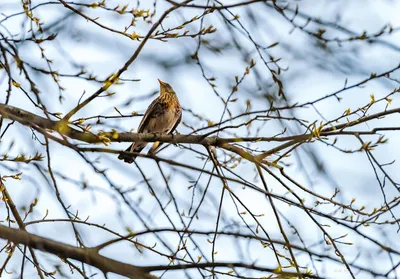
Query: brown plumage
{"points": [[162, 116]]}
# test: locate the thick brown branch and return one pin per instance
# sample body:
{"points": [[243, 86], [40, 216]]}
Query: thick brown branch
{"points": [[85, 255], [27, 118], [40, 123]]}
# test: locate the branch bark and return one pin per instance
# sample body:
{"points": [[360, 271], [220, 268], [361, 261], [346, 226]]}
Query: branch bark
{"points": [[39, 123], [29, 119], [86, 255]]}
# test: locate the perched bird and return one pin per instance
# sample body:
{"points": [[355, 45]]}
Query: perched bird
{"points": [[162, 116]]}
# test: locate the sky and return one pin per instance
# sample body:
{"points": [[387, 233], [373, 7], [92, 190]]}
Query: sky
{"points": [[312, 72]]}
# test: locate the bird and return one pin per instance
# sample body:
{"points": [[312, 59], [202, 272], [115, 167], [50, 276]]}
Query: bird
{"points": [[162, 116]]}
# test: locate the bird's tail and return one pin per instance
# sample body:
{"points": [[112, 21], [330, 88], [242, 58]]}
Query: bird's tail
{"points": [[128, 158]]}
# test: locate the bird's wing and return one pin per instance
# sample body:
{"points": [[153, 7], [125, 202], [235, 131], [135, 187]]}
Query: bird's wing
{"points": [[176, 123], [154, 110], [156, 146]]}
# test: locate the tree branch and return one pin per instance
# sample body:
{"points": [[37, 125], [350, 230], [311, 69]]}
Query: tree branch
{"points": [[21, 225], [85, 255], [230, 265], [28, 119]]}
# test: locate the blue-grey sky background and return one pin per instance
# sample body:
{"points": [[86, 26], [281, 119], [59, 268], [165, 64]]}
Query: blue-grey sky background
{"points": [[312, 72]]}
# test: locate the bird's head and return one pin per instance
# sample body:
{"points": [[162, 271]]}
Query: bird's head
{"points": [[165, 88]]}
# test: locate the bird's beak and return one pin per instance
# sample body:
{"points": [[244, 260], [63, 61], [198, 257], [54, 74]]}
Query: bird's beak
{"points": [[161, 82]]}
